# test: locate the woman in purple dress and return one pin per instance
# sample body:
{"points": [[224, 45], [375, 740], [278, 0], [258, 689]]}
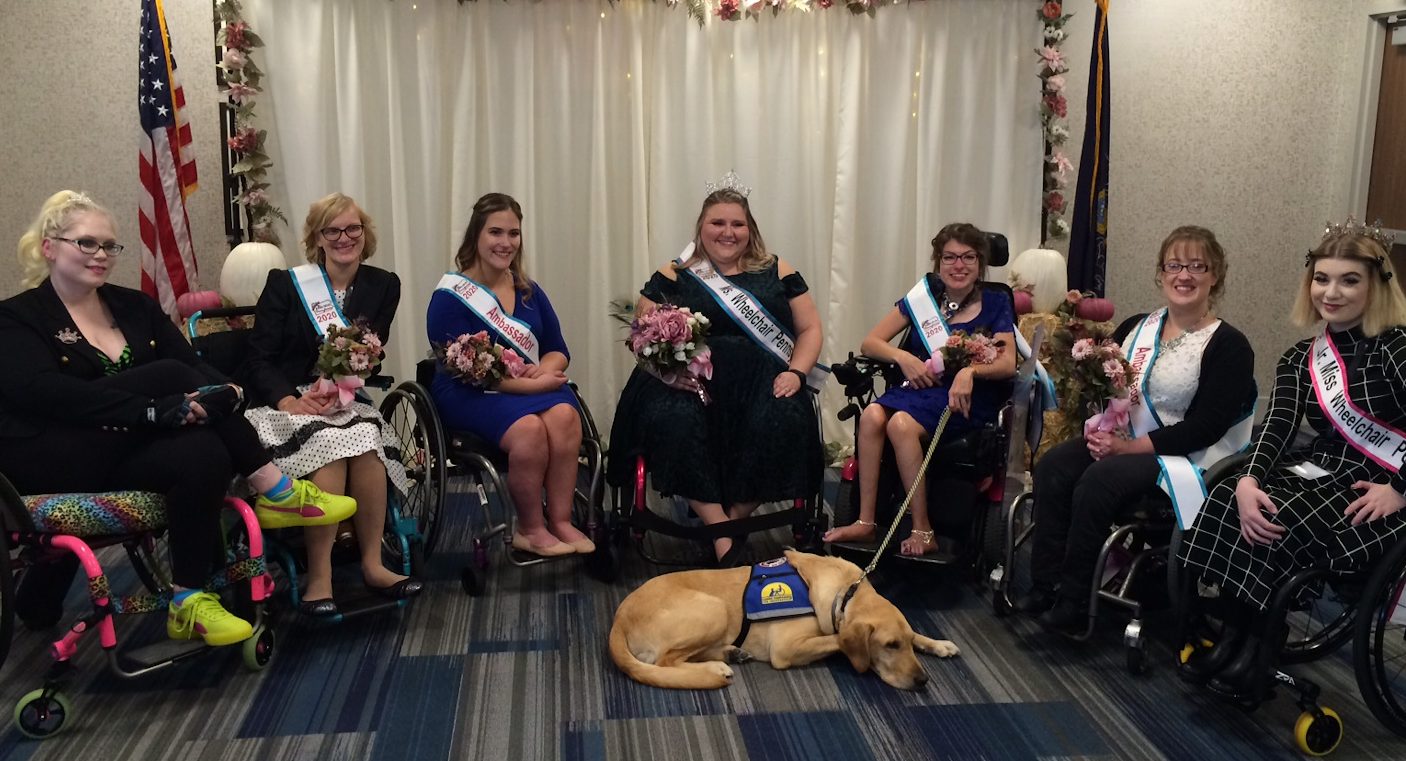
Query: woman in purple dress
{"points": [[533, 418], [909, 413]]}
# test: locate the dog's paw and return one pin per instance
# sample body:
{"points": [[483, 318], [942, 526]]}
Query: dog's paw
{"points": [[738, 655], [721, 669], [939, 647]]}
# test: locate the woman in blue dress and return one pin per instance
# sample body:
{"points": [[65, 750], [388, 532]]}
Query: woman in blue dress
{"points": [[533, 418], [909, 413]]}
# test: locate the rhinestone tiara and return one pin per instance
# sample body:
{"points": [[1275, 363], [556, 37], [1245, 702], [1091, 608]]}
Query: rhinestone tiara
{"points": [[729, 181], [1353, 227]]}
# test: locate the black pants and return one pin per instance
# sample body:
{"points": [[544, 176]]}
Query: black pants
{"points": [[192, 466], [1077, 499]]}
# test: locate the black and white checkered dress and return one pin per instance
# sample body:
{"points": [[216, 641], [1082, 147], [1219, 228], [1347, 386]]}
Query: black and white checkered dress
{"points": [[1318, 533]]}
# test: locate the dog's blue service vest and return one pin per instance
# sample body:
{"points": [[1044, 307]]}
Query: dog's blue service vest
{"points": [[775, 590]]}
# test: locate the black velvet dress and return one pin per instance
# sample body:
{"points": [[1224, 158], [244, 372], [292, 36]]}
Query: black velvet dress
{"points": [[746, 445]]}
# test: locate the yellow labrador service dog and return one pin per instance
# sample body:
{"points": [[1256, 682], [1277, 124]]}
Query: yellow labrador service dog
{"points": [[680, 629]]}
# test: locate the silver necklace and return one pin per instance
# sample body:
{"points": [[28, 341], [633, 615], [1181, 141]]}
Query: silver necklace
{"points": [[1169, 346]]}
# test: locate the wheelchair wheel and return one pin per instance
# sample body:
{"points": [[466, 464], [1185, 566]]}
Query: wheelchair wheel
{"points": [[1320, 629], [39, 716], [258, 650], [1318, 732], [1379, 645], [412, 418], [7, 596], [846, 502]]}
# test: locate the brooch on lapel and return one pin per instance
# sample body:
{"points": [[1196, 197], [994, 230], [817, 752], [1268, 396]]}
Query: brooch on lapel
{"points": [[68, 336]]}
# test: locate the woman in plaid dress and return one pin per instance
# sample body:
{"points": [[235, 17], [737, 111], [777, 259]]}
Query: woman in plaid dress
{"points": [[1336, 502]]}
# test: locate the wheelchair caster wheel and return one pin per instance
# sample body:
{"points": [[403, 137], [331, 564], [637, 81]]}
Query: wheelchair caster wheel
{"points": [[1318, 732], [258, 649], [472, 581], [39, 716], [1136, 660]]}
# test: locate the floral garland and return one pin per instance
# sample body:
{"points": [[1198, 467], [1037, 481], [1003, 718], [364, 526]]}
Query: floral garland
{"points": [[1053, 111], [242, 77], [736, 10]]}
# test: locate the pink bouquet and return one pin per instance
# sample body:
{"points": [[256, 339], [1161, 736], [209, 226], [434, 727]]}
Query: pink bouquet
{"points": [[347, 358], [962, 349], [671, 342], [1102, 376], [474, 359]]}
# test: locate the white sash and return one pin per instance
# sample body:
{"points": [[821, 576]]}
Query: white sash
{"points": [[1182, 478], [1368, 435], [750, 315], [481, 301], [313, 287]]}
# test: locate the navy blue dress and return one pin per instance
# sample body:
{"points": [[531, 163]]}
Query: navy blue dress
{"points": [[489, 414], [926, 405]]}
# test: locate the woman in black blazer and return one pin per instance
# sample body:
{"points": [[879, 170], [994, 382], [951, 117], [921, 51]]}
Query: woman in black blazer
{"points": [[101, 392], [341, 449], [1198, 385]]}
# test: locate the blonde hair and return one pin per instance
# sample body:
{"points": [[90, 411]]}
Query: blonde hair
{"points": [[755, 258], [1386, 304], [321, 214], [54, 217]]}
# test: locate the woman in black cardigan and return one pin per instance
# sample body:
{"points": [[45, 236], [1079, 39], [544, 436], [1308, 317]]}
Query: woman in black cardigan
{"points": [[341, 449], [101, 393], [1199, 383]]}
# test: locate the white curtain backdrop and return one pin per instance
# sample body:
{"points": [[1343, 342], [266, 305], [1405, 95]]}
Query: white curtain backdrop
{"points": [[859, 136]]}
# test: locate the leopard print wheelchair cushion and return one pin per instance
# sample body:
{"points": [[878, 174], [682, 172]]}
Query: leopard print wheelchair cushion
{"points": [[106, 514]]}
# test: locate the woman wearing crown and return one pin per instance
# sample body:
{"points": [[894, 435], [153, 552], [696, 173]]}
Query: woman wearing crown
{"points": [[1337, 500], [948, 299], [757, 440]]}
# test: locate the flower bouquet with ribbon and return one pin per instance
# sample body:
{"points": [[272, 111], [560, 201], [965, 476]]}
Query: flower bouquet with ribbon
{"points": [[474, 359], [961, 350], [1101, 378], [347, 358], [670, 343]]}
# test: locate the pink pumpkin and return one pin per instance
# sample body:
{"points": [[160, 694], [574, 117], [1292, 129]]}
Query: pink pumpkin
{"points": [[197, 301], [1024, 302], [1095, 309]]}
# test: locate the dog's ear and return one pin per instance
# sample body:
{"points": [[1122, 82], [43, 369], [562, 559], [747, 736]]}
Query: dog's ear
{"points": [[854, 643]]}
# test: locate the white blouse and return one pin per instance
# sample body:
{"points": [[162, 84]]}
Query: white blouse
{"points": [[1176, 373]]}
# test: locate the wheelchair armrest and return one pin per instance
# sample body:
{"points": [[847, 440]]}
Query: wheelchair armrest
{"points": [[383, 382]]}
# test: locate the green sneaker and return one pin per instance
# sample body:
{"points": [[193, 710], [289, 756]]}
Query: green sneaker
{"points": [[201, 615], [306, 506]]}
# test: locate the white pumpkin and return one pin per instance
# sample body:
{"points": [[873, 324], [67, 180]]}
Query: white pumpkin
{"points": [[1044, 271], [246, 270]]}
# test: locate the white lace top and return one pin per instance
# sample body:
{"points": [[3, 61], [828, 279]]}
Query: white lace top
{"points": [[1176, 373]]}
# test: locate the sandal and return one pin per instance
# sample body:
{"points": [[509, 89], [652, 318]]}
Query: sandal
{"points": [[857, 522], [926, 542]]}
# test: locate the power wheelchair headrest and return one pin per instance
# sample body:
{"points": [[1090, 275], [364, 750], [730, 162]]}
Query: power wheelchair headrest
{"points": [[1000, 250]]}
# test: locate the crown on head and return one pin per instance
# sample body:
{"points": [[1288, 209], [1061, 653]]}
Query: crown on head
{"points": [[729, 181], [1353, 227]]}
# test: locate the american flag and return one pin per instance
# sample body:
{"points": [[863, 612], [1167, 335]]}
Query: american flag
{"points": [[167, 166]]}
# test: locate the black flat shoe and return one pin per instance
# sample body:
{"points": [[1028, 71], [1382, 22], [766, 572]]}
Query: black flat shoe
{"points": [[1036, 601], [1066, 617], [324, 608], [401, 590], [1237, 680]]}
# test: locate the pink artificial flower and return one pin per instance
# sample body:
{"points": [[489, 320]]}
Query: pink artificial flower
{"points": [[341, 342], [954, 341], [824, 3], [1054, 83], [239, 92], [1057, 104], [373, 342], [934, 364], [234, 36], [1054, 201], [1051, 10], [234, 58], [673, 328], [1053, 60], [1113, 369], [515, 364], [1082, 348], [256, 197], [358, 361], [729, 10], [1113, 418]]}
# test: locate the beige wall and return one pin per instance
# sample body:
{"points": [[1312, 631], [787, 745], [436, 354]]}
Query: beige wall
{"points": [[68, 118], [1239, 116]]}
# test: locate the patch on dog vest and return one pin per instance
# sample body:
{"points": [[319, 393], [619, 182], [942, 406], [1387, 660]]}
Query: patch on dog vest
{"points": [[776, 590]]}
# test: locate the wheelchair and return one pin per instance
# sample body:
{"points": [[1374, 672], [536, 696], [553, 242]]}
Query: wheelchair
{"points": [[1366, 607], [968, 475], [41, 528], [409, 519], [439, 455]]}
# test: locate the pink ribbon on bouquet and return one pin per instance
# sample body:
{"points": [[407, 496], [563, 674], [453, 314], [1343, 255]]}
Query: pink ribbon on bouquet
{"points": [[1114, 417], [934, 366], [345, 387]]}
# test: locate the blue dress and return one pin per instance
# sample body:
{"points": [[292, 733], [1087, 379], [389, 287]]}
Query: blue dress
{"points": [[489, 414], [927, 404]]}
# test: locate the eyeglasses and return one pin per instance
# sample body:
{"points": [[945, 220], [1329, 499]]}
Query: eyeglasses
{"points": [[967, 258], [91, 246], [335, 233], [1195, 268]]}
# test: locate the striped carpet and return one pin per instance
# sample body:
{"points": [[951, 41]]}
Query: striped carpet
{"points": [[522, 673]]}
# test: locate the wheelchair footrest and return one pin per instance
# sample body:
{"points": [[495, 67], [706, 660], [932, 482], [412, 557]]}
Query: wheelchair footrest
{"points": [[163, 651], [357, 600]]}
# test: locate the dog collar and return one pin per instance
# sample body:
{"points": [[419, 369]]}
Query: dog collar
{"points": [[837, 608]]}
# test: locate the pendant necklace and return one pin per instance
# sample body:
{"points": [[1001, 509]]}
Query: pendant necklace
{"points": [[950, 306]]}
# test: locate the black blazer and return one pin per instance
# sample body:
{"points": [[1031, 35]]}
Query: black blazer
{"points": [[50, 366], [283, 346], [1224, 394]]}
